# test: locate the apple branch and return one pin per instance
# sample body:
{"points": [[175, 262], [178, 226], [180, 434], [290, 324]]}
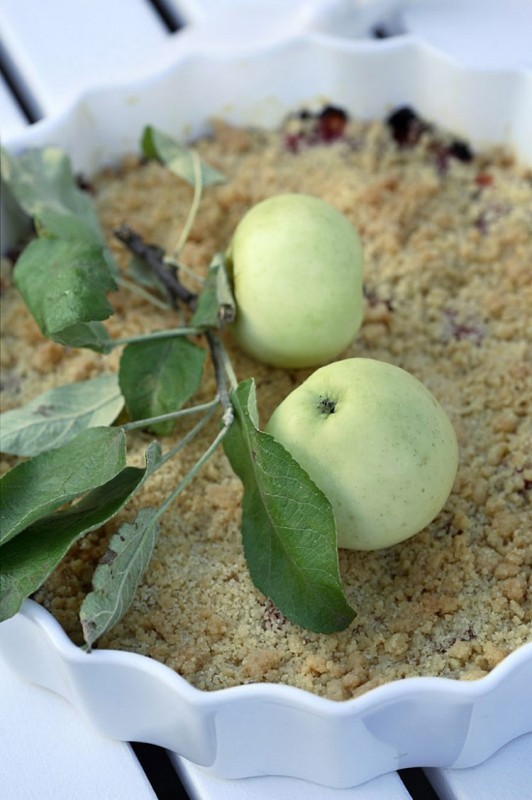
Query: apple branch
{"points": [[154, 256], [156, 259]]}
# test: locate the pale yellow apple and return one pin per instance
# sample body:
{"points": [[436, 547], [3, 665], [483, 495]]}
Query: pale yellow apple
{"points": [[296, 264], [376, 442]]}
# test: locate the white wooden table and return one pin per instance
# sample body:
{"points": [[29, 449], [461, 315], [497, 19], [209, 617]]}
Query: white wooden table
{"points": [[49, 52]]}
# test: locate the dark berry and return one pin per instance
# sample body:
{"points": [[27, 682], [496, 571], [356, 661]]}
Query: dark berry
{"points": [[406, 126], [84, 184], [331, 123], [324, 127], [461, 151]]}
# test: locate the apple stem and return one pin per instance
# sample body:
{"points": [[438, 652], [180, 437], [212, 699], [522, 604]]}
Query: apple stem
{"points": [[326, 406], [220, 359]]}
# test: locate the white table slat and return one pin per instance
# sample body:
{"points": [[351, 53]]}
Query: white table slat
{"points": [[507, 775], [484, 37], [201, 786], [197, 10], [61, 47], [12, 119], [49, 752]]}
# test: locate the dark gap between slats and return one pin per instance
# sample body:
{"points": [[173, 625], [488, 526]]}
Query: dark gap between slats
{"points": [[160, 772], [21, 95], [417, 784], [167, 15]]}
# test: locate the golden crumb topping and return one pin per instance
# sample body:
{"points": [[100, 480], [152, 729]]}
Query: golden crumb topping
{"points": [[448, 297]]}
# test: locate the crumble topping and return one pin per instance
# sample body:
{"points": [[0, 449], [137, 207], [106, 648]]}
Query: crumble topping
{"points": [[448, 293]]}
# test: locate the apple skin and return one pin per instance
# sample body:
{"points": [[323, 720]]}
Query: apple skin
{"points": [[296, 266], [386, 457]]}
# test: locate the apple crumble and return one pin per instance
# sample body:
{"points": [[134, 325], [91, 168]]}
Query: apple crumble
{"points": [[447, 236]]}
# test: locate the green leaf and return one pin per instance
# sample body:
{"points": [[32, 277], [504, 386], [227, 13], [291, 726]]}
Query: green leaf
{"points": [[216, 305], [34, 488], [28, 559], [43, 184], [116, 578], [177, 158], [287, 525], [92, 335], [157, 376], [53, 418], [63, 284]]}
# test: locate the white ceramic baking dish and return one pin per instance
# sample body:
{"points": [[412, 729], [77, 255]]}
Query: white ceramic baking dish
{"points": [[253, 69]]}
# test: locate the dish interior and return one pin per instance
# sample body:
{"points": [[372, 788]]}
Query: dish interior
{"points": [[445, 232]]}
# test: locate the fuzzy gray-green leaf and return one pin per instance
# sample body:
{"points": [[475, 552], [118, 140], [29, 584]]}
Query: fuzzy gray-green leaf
{"points": [[44, 185], [53, 418], [116, 578], [177, 158]]}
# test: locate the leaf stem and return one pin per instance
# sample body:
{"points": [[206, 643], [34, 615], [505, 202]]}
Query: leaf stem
{"points": [[178, 265], [193, 432], [138, 290], [216, 348], [196, 200], [228, 367], [193, 471], [145, 337], [182, 412]]}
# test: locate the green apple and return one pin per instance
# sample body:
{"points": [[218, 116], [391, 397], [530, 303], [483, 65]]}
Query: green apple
{"points": [[376, 442], [295, 263]]}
